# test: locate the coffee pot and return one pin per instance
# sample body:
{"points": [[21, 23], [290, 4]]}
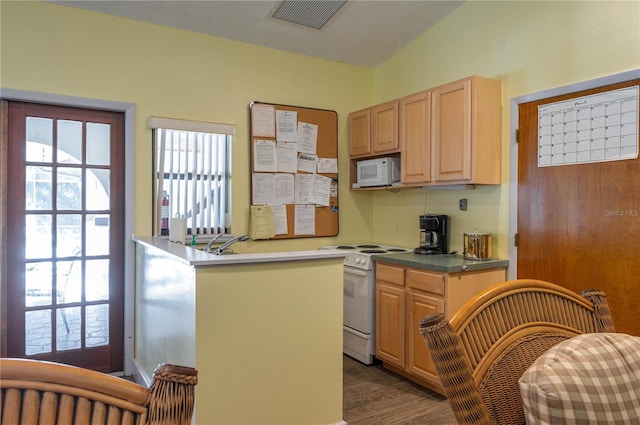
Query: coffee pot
{"points": [[433, 234]]}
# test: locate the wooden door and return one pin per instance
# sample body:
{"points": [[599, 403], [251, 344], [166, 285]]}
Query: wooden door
{"points": [[579, 225], [65, 233], [415, 138]]}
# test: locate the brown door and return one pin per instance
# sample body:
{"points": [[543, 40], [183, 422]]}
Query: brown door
{"points": [[64, 235], [579, 225]]}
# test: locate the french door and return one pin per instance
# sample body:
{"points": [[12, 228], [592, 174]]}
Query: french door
{"points": [[65, 235]]}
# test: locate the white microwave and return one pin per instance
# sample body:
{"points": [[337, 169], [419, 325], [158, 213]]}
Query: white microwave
{"points": [[378, 172]]}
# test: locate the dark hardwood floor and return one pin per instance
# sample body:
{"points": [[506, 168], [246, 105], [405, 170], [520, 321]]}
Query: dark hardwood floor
{"points": [[375, 396]]}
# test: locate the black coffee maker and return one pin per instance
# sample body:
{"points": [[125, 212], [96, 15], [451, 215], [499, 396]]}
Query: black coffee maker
{"points": [[433, 235]]}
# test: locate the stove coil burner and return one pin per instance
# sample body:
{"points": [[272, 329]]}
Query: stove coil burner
{"points": [[345, 247], [368, 246], [373, 251], [396, 250]]}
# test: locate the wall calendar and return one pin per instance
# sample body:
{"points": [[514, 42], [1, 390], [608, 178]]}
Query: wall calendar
{"points": [[595, 128]]}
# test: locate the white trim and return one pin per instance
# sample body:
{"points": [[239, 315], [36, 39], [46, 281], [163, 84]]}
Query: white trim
{"points": [[129, 195], [197, 126], [513, 156]]}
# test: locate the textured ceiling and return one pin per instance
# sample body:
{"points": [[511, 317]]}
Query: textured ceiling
{"points": [[363, 32]]}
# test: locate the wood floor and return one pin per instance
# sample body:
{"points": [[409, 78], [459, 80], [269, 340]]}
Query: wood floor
{"points": [[375, 396]]}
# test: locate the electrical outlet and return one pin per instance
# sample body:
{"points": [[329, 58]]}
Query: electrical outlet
{"points": [[462, 204], [396, 228]]}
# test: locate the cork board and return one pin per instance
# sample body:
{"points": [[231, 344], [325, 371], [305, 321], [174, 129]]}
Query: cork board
{"points": [[294, 171]]}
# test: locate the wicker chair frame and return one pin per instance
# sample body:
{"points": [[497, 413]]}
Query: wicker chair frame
{"points": [[497, 335], [39, 392]]}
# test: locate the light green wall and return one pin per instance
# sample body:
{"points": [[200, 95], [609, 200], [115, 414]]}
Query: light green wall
{"points": [[269, 337], [179, 74], [530, 47]]}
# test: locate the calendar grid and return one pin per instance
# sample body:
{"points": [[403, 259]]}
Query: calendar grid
{"points": [[595, 128]]}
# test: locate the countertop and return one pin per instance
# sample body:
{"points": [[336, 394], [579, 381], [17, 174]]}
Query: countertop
{"points": [[198, 258], [446, 263]]}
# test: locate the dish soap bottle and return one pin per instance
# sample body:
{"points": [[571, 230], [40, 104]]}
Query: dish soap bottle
{"points": [[193, 241]]}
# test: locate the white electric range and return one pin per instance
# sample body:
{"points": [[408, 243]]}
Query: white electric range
{"points": [[360, 298]]}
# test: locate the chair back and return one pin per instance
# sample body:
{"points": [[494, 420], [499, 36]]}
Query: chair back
{"points": [[493, 339], [39, 392]]}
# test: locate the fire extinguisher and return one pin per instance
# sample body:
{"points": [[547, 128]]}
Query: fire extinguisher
{"points": [[164, 215]]}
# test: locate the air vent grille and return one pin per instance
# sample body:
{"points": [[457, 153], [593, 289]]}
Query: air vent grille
{"points": [[309, 13]]}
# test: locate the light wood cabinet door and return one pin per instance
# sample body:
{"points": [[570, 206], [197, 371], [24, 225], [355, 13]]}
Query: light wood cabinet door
{"points": [[360, 132], [384, 128], [415, 138], [451, 127], [419, 361], [390, 324]]}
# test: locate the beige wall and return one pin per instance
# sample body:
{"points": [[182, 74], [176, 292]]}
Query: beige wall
{"points": [[530, 47]]}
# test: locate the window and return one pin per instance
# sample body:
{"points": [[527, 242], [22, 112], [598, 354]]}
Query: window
{"points": [[192, 175]]}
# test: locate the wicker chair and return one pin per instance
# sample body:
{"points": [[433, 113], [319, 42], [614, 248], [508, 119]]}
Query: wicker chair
{"points": [[38, 392], [497, 335]]}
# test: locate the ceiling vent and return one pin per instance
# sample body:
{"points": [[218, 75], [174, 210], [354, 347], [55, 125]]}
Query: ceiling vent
{"points": [[309, 13]]}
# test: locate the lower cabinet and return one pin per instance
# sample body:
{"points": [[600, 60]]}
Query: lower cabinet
{"points": [[405, 295]]}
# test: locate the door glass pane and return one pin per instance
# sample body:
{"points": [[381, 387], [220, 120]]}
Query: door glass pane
{"points": [[69, 142], [68, 328], [69, 188], [39, 132], [37, 331], [38, 188], [97, 189], [97, 325], [97, 280], [69, 281], [98, 143], [69, 238], [38, 233], [37, 286], [97, 234]]}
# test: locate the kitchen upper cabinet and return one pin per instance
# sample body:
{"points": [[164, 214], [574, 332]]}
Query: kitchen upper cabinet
{"points": [[415, 138], [466, 132], [360, 133], [447, 135], [384, 128], [374, 131]]}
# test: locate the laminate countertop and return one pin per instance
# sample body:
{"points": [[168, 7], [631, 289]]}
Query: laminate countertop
{"points": [[445, 263], [197, 258]]}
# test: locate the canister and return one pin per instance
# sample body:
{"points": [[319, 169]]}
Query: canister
{"points": [[477, 246]]}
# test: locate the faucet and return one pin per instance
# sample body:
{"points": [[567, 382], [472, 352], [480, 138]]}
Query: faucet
{"points": [[211, 242], [225, 245]]}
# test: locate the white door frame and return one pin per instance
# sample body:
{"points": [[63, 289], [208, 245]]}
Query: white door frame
{"points": [[129, 178], [513, 151]]}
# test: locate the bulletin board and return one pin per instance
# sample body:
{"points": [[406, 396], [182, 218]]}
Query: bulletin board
{"points": [[294, 171]]}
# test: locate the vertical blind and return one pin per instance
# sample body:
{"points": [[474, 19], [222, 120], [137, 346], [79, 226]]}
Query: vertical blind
{"points": [[192, 175]]}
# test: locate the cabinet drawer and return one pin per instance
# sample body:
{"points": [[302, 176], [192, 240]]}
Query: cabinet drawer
{"points": [[426, 281], [390, 274]]}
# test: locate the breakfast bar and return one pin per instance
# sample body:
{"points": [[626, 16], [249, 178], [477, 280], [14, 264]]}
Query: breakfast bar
{"points": [[249, 323]]}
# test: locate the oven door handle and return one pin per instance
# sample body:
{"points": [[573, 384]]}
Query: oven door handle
{"points": [[349, 285], [357, 272]]}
